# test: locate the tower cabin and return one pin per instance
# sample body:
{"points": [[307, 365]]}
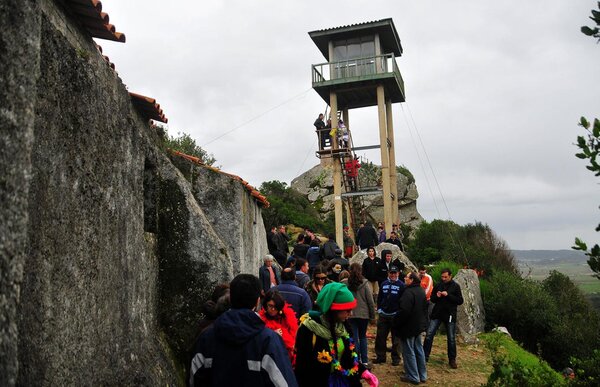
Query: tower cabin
{"points": [[360, 71]]}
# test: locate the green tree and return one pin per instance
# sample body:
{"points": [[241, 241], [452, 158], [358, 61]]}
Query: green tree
{"points": [[590, 147], [184, 143], [475, 245], [289, 206]]}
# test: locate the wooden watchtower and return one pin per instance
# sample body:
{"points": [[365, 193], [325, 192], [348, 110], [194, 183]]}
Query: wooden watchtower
{"points": [[361, 71]]}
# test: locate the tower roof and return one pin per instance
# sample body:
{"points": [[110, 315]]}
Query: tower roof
{"points": [[388, 36]]}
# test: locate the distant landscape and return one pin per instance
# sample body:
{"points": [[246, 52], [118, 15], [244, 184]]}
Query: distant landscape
{"points": [[537, 264]]}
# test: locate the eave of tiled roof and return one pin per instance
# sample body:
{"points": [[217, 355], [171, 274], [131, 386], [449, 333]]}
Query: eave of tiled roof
{"points": [[260, 199], [148, 107], [90, 15], [384, 27]]}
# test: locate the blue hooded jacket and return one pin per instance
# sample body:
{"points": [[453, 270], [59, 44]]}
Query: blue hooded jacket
{"points": [[237, 350]]}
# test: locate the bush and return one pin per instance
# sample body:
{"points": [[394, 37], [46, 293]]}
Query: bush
{"points": [[289, 206], [577, 331], [472, 245], [184, 143], [436, 271], [522, 306], [403, 170], [587, 370], [513, 366]]}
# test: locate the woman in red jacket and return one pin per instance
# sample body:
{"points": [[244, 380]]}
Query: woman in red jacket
{"points": [[281, 318]]}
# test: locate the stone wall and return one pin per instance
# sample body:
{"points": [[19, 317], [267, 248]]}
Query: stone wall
{"points": [[107, 250]]}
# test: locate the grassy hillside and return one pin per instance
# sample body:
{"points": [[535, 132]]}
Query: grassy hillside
{"points": [[537, 264]]}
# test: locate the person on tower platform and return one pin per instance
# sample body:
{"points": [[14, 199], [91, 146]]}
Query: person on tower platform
{"points": [[322, 131]]}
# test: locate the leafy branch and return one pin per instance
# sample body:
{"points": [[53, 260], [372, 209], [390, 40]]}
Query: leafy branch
{"points": [[590, 148]]}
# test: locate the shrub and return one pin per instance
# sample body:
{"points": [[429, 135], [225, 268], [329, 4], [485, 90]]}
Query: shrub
{"points": [[587, 370], [184, 143], [513, 366], [472, 245], [522, 306], [403, 170], [436, 271], [289, 206], [577, 329]]}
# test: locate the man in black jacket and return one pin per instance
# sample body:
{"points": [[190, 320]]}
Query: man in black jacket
{"points": [[446, 296], [367, 236], [409, 322]]}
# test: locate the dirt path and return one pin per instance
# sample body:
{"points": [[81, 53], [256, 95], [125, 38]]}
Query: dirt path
{"points": [[474, 365]]}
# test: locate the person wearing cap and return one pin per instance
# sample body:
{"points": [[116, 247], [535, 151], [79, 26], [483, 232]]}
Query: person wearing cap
{"points": [[348, 243], [387, 303], [325, 353], [268, 274]]}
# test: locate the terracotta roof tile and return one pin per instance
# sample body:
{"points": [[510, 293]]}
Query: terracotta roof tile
{"points": [[260, 198], [90, 15], [148, 107]]}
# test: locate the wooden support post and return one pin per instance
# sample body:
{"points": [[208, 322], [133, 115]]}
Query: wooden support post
{"points": [[393, 173], [337, 177], [385, 160]]}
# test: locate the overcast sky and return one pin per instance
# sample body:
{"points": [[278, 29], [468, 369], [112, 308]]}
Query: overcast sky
{"points": [[494, 93]]}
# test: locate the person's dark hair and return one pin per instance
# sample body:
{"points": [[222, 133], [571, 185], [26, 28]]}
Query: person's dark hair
{"points": [[219, 291], [422, 267], [273, 294], [300, 262], [319, 270], [330, 316], [414, 277], [384, 253], [288, 274], [343, 275], [314, 243], [371, 248], [393, 232], [300, 238], [356, 277], [291, 262], [446, 270], [244, 290]]}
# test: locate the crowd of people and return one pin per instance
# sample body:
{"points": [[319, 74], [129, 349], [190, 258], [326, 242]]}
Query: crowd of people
{"points": [[303, 321]]}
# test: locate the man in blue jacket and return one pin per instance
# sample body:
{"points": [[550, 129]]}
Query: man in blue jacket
{"points": [[387, 304], [238, 350], [297, 297]]}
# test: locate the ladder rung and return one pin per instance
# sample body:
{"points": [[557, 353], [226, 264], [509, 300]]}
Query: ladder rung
{"points": [[361, 193], [366, 147]]}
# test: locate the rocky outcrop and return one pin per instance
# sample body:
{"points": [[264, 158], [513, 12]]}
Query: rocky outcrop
{"points": [[317, 185], [471, 315], [107, 249]]}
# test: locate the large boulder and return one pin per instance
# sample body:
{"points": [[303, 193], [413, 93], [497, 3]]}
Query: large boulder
{"points": [[317, 185], [471, 315], [360, 256]]}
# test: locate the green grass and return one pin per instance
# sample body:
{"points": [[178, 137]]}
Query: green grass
{"points": [[580, 274], [514, 365]]}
